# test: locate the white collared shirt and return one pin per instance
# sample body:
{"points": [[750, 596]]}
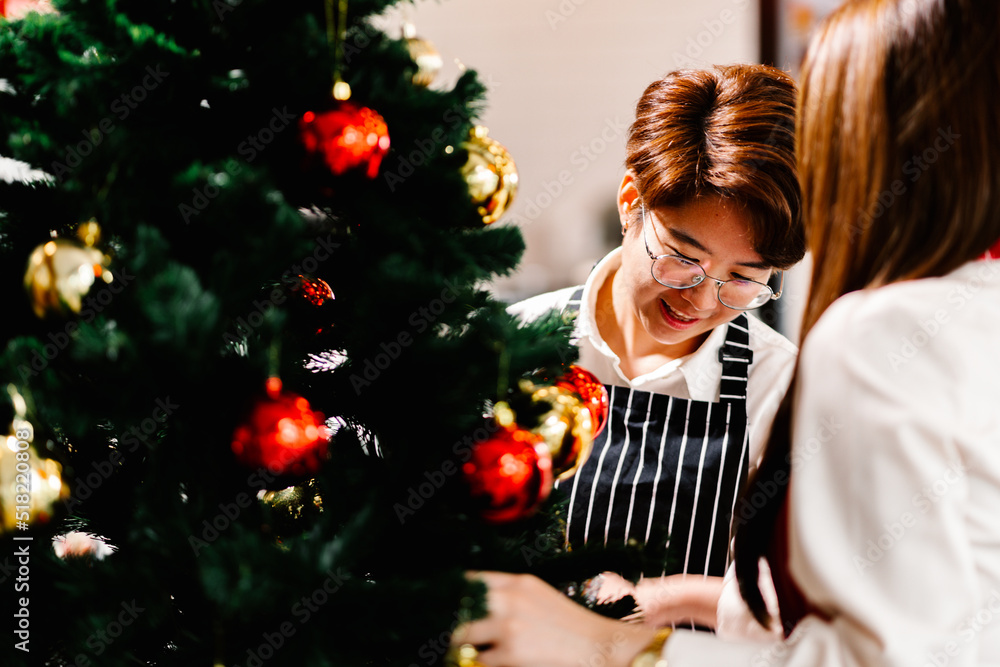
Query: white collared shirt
{"points": [[695, 376]]}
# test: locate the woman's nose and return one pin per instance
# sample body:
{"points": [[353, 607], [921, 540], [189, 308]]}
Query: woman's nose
{"points": [[702, 296]]}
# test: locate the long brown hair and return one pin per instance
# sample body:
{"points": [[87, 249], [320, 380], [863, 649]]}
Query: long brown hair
{"points": [[899, 160], [725, 131]]}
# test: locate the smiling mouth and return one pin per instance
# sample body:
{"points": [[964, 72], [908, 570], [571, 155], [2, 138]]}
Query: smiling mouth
{"points": [[674, 315]]}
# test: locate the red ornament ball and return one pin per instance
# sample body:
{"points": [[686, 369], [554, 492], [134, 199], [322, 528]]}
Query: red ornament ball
{"points": [[509, 475], [314, 290], [346, 138], [591, 390], [282, 434]]}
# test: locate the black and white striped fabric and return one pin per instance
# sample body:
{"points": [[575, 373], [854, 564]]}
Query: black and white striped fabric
{"points": [[667, 468]]}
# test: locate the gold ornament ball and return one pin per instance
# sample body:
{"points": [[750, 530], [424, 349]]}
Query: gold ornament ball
{"points": [[60, 273], [30, 485], [294, 508], [89, 232], [490, 174], [424, 55], [566, 428], [463, 655], [427, 59]]}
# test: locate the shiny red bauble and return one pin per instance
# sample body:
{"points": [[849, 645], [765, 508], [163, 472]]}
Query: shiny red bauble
{"points": [[345, 138], [282, 434], [509, 475], [314, 290], [591, 390]]}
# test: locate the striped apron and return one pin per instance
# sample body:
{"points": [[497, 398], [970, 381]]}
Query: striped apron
{"points": [[667, 468]]}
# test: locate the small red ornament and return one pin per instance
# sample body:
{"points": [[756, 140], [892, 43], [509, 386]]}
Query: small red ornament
{"points": [[509, 475], [993, 252], [315, 290], [282, 434], [346, 138], [591, 390]]}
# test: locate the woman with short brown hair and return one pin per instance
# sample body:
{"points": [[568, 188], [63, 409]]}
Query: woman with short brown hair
{"points": [[709, 213]]}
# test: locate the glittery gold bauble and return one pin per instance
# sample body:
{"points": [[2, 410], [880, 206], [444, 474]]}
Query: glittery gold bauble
{"points": [[565, 425], [426, 57], [293, 509], [463, 655], [60, 273], [490, 174], [30, 485]]}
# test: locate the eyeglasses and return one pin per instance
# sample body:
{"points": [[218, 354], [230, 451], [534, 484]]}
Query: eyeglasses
{"points": [[677, 272]]}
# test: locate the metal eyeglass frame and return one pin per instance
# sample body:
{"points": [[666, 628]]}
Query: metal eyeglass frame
{"points": [[719, 283]]}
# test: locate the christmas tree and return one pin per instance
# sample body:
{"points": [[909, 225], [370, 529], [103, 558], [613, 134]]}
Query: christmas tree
{"points": [[250, 385]]}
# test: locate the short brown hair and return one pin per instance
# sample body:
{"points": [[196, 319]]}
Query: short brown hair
{"points": [[726, 131]]}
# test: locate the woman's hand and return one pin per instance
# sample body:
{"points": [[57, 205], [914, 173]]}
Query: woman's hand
{"points": [[531, 624], [679, 598], [610, 587]]}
